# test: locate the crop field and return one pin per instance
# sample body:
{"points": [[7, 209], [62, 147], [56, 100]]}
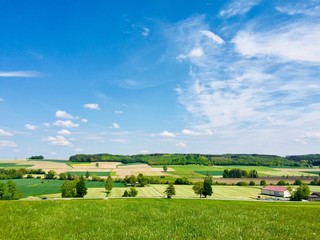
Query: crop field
{"points": [[42, 187], [100, 174], [14, 165], [158, 219]]}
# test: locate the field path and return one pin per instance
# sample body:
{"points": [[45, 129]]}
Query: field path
{"points": [[158, 193]]}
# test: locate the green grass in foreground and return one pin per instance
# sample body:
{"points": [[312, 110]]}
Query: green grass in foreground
{"points": [[157, 219]]}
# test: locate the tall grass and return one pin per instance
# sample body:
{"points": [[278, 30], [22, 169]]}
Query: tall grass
{"points": [[157, 219]]}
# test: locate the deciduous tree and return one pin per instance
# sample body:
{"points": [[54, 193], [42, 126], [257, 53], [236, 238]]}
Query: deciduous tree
{"points": [[170, 191]]}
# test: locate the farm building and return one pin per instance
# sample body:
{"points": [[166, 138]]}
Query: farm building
{"points": [[315, 196], [276, 191]]}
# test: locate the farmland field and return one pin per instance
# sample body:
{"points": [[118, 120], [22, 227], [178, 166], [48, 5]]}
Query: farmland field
{"points": [[158, 219], [14, 165], [41, 187], [100, 174]]}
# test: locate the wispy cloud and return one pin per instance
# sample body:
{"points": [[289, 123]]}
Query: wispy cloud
{"points": [[30, 126], [115, 126], [1, 100], [66, 123], [92, 106], [294, 42], [58, 140], [5, 133], [7, 144], [182, 145], [145, 32], [266, 81], [20, 74], [118, 112], [238, 7], [308, 8]]}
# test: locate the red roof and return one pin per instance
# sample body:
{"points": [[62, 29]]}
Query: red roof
{"points": [[275, 188]]}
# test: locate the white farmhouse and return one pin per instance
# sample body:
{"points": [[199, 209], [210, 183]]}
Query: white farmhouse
{"points": [[276, 191]]}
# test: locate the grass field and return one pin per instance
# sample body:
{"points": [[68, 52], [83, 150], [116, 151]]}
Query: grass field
{"points": [[14, 165], [157, 219], [41, 187]]}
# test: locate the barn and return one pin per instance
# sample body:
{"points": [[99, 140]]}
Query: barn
{"points": [[315, 196], [276, 191]]}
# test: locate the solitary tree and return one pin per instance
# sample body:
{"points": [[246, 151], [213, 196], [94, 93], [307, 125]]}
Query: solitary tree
{"points": [[97, 164], [81, 188], [68, 189], [87, 174], [108, 184], [303, 192], [198, 188], [207, 188], [165, 168], [170, 191]]}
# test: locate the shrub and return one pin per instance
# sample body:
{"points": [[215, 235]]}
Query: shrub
{"points": [[252, 183], [263, 183], [281, 183], [297, 182], [242, 184]]}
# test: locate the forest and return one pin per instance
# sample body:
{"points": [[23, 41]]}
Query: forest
{"points": [[203, 159]]}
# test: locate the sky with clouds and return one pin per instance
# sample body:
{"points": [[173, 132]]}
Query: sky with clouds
{"points": [[239, 76]]}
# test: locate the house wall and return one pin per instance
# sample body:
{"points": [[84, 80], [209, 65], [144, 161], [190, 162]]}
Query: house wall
{"points": [[285, 194]]}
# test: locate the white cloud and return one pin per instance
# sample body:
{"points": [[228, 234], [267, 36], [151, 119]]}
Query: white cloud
{"points": [[46, 124], [30, 126], [7, 144], [93, 106], [63, 114], [64, 132], [167, 134], [212, 36], [251, 97], [145, 31], [78, 150], [196, 52], [1, 100], [294, 42], [308, 8], [84, 120], [238, 7], [115, 126], [58, 140], [182, 145], [190, 132], [119, 140], [118, 112], [5, 133], [66, 123], [20, 74]]}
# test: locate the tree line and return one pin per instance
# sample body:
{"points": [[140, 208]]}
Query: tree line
{"points": [[201, 159]]}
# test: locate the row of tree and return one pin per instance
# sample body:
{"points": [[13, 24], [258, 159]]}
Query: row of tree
{"points": [[239, 173], [202, 159]]}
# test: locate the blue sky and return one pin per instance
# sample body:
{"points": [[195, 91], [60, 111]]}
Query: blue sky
{"points": [[133, 77]]}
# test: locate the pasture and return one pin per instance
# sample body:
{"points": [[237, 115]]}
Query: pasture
{"points": [[158, 219]]}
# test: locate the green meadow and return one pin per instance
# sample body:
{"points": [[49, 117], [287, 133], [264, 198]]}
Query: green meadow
{"points": [[158, 219], [14, 165], [99, 174]]}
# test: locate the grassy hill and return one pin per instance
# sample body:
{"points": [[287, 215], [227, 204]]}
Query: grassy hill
{"points": [[158, 219]]}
